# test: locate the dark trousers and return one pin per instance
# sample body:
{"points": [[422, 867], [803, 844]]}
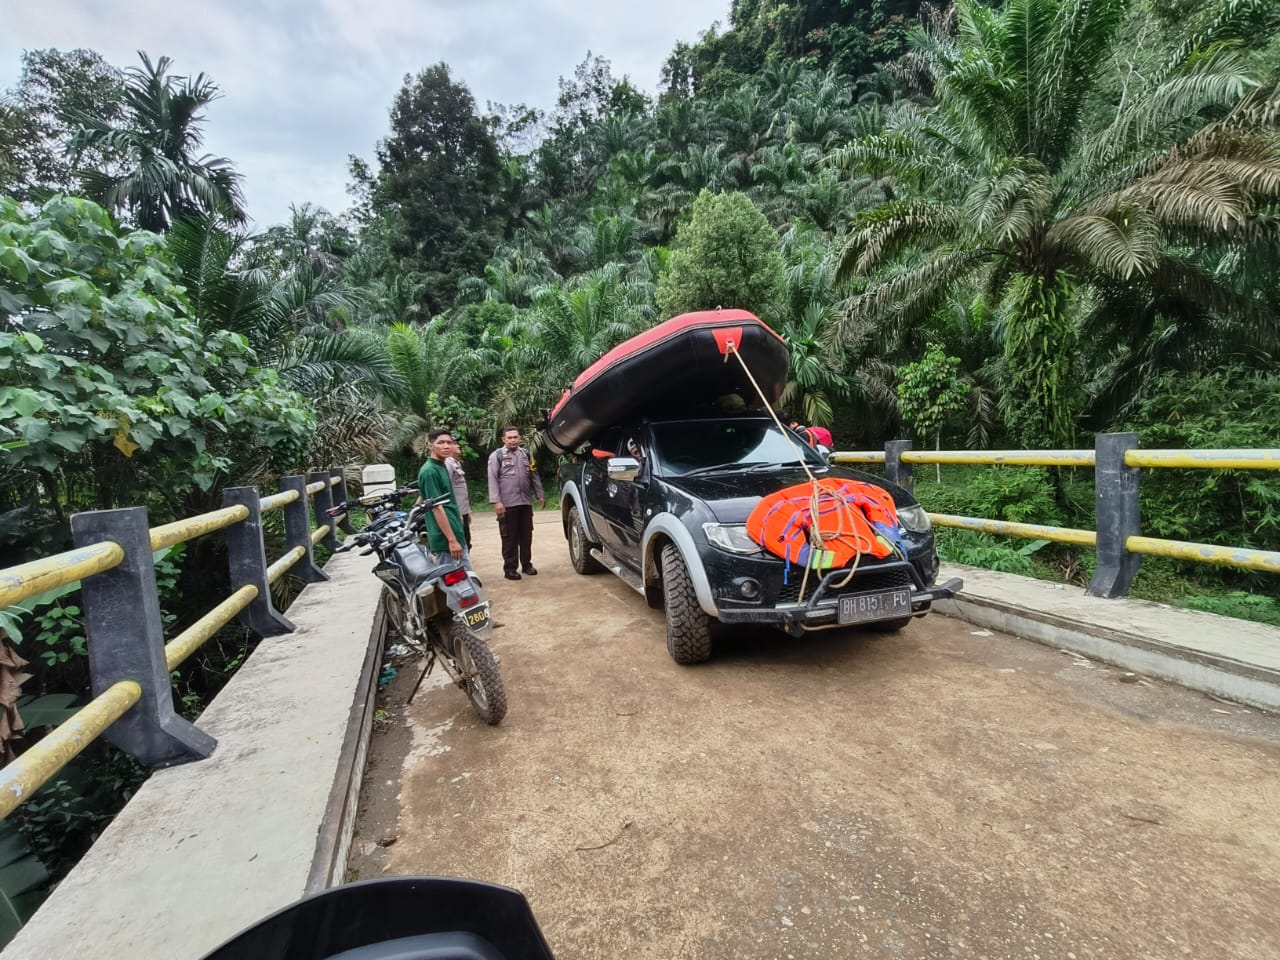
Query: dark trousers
{"points": [[466, 528], [516, 528]]}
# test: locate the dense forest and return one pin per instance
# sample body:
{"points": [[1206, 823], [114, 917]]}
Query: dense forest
{"points": [[981, 225]]}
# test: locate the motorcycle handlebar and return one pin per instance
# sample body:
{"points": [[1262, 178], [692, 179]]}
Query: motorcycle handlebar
{"points": [[366, 502]]}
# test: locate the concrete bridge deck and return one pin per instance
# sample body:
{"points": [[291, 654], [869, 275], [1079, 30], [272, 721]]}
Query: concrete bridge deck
{"points": [[952, 791]]}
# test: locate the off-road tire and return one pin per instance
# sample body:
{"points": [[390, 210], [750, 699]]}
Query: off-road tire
{"points": [[484, 689], [688, 628], [580, 547]]}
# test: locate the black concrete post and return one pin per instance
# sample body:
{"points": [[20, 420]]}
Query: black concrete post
{"points": [[321, 502], [340, 496], [1116, 498], [248, 559], [895, 471], [125, 635], [297, 529]]}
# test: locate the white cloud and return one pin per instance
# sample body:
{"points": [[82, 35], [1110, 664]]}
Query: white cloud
{"points": [[307, 82]]}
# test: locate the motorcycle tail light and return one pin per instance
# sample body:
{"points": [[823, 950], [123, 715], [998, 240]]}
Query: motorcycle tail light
{"points": [[454, 576], [470, 601]]}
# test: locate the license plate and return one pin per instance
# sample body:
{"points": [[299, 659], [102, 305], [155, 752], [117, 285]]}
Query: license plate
{"points": [[477, 618], [866, 607]]}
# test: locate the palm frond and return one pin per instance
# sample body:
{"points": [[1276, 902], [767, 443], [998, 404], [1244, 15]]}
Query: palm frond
{"points": [[1121, 243], [884, 232]]}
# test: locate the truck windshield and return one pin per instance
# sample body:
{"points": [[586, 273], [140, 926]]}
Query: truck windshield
{"points": [[683, 447]]}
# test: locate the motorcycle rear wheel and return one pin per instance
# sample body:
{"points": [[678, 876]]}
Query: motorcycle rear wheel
{"points": [[398, 620], [483, 685]]}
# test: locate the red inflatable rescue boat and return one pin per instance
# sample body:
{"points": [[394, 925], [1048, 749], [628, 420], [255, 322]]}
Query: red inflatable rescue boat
{"points": [[682, 362]]}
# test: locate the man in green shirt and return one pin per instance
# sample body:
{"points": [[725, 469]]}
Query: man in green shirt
{"points": [[446, 537]]}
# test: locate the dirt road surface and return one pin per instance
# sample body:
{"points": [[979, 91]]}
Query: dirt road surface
{"points": [[946, 792]]}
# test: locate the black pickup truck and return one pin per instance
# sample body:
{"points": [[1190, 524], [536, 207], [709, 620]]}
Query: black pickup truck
{"points": [[663, 503]]}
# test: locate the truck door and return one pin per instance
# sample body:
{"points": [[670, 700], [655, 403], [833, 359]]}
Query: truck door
{"points": [[623, 504], [596, 487]]}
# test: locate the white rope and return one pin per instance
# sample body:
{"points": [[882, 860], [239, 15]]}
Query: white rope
{"points": [[816, 490]]}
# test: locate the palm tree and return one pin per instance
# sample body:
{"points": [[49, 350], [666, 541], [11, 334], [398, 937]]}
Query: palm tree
{"points": [[1004, 184], [572, 325], [510, 277], [162, 179], [287, 318]]}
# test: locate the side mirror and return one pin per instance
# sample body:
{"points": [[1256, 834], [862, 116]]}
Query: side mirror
{"points": [[824, 451], [623, 468]]}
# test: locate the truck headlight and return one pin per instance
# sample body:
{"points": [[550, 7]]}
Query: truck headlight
{"points": [[915, 519], [730, 537]]}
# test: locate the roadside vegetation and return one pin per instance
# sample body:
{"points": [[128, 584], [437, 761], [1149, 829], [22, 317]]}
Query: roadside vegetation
{"points": [[984, 225]]}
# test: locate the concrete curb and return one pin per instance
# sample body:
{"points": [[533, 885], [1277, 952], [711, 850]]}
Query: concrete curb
{"points": [[333, 839], [205, 849], [1214, 673]]}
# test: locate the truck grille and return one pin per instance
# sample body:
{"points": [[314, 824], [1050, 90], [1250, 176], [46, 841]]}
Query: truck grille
{"points": [[863, 581]]}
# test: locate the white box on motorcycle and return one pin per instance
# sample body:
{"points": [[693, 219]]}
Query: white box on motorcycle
{"points": [[378, 478]]}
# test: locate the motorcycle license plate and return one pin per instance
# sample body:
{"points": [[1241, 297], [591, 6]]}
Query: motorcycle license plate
{"points": [[868, 607], [477, 618]]}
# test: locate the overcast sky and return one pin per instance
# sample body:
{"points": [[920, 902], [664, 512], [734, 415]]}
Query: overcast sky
{"points": [[307, 82]]}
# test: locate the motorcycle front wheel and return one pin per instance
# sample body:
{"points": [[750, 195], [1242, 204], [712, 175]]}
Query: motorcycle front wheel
{"points": [[483, 683]]}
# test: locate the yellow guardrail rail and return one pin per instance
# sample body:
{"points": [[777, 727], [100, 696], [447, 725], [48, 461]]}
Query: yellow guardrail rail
{"points": [[1205, 459], [1117, 497], [1019, 458], [25, 775], [42, 761], [858, 456], [180, 531], [199, 633], [28, 579], [1242, 558], [284, 564], [1006, 528], [278, 500]]}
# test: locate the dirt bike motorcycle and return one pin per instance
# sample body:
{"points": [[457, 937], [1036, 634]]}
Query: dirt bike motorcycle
{"points": [[437, 609]]}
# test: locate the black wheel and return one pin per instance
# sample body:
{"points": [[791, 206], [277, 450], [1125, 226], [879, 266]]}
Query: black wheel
{"points": [[688, 628], [399, 629], [580, 547], [484, 684]]}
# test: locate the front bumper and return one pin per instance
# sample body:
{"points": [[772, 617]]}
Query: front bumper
{"points": [[819, 609]]}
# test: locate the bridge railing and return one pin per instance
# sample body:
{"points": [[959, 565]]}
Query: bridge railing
{"points": [[1117, 461], [130, 664]]}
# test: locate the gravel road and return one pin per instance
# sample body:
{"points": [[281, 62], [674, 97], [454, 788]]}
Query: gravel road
{"points": [[945, 792]]}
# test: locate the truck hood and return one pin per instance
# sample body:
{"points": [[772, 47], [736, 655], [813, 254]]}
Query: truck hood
{"points": [[732, 496]]}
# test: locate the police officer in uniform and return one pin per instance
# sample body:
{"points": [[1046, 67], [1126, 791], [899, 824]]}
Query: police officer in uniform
{"points": [[512, 480]]}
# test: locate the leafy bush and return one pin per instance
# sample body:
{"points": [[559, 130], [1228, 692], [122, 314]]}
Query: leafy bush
{"points": [[104, 377], [1014, 494], [726, 256], [1228, 409], [980, 550], [1236, 603]]}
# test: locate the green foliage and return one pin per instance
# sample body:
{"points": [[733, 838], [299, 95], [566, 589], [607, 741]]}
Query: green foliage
{"points": [[23, 880], [439, 168], [992, 553], [1228, 409], [727, 256], [1237, 603], [1015, 494], [36, 119], [1106, 211], [929, 391], [103, 374], [159, 177]]}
